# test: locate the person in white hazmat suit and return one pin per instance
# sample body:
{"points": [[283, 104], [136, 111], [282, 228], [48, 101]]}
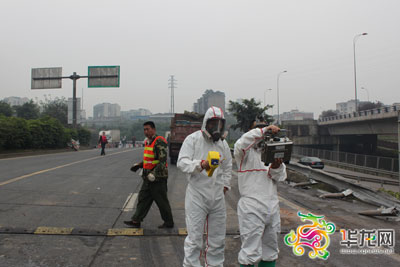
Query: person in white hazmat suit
{"points": [[258, 206], [205, 196]]}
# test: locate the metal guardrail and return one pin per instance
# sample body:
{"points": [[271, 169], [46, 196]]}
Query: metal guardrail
{"points": [[382, 165], [363, 113], [368, 179], [363, 193]]}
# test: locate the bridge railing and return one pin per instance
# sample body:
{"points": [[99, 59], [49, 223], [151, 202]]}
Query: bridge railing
{"points": [[363, 113], [375, 162]]}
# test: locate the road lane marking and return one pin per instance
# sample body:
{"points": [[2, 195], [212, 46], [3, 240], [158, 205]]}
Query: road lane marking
{"points": [[182, 231], [131, 202], [61, 153], [126, 201], [125, 231], [53, 230], [47, 154], [55, 168]]}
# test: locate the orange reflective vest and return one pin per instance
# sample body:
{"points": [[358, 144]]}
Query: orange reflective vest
{"points": [[148, 155]]}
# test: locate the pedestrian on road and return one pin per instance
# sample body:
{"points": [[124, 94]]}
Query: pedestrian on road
{"points": [[205, 196], [258, 206], [155, 177], [103, 142]]}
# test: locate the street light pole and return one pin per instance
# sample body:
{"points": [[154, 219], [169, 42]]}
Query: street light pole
{"points": [[265, 102], [277, 92], [266, 90], [398, 142], [355, 71], [366, 91]]}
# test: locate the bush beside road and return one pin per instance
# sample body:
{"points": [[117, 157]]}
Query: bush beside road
{"points": [[43, 133]]}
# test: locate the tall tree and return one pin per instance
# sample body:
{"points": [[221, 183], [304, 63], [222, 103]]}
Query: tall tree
{"points": [[5, 109], [329, 113], [246, 111], [57, 108], [29, 110], [370, 105]]}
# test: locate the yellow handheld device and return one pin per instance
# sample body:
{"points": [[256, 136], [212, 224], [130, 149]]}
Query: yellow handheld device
{"points": [[213, 160]]}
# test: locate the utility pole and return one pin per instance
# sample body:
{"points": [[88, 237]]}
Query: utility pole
{"points": [[172, 86], [398, 142]]}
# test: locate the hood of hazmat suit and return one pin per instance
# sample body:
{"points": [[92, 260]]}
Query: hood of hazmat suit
{"points": [[204, 200]]}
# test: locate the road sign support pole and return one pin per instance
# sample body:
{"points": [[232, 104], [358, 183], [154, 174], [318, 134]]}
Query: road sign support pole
{"points": [[74, 77], [51, 74]]}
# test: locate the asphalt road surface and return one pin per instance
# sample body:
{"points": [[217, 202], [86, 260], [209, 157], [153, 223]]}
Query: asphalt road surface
{"points": [[68, 209]]}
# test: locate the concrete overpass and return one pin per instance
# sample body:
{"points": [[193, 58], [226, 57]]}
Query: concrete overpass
{"points": [[375, 121], [356, 132]]}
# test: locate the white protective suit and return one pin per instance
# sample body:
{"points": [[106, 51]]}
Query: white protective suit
{"points": [[205, 202], [258, 207]]}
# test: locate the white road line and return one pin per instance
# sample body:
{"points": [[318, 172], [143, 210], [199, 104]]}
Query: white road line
{"points": [[131, 203], [58, 167], [127, 199], [67, 152]]}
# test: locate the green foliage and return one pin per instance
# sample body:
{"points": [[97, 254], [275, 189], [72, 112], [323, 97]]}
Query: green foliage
{"points": [[370, 105], [329, 113], [29, 110], [57, 108], [394, 194], [84, 136], [14, 133], [53, 133], [6, 109], [46, 132], [36, 132], [246, 111]]}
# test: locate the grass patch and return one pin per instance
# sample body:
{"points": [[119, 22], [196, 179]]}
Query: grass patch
{"points": [[395, 194]]}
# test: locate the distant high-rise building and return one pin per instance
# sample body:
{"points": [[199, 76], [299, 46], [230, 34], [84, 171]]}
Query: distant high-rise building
{"points": [[16, 101], [208, 99], [106, 111], [348, 107], [296, 115], [135, 113]]}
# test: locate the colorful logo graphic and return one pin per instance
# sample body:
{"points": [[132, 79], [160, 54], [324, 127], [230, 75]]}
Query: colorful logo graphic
{"points": [[314, 236]]}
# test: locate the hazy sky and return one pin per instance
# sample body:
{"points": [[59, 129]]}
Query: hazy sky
{"points": [[237, 47]]}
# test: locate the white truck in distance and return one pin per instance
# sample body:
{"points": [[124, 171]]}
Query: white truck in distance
{"points": [[113, 136]]}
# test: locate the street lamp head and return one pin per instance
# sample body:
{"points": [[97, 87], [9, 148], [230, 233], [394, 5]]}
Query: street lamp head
{"points": [[285, 71], [364, 33]]}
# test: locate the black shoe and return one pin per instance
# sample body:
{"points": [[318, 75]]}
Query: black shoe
{"points": [[132, 224], [164, 225]]}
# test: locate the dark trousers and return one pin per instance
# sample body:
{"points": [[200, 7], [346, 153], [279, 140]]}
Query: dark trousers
{"points": [[102, 149], [153, 191]]}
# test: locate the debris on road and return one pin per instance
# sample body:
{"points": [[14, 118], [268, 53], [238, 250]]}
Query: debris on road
{"points": [[345, 193]]}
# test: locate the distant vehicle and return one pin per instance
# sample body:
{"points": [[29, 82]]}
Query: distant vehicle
{"points": [[313, 162], [181, 126]]}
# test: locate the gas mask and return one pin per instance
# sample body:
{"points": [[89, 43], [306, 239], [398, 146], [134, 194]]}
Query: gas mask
{"points": [[215, 128]]}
